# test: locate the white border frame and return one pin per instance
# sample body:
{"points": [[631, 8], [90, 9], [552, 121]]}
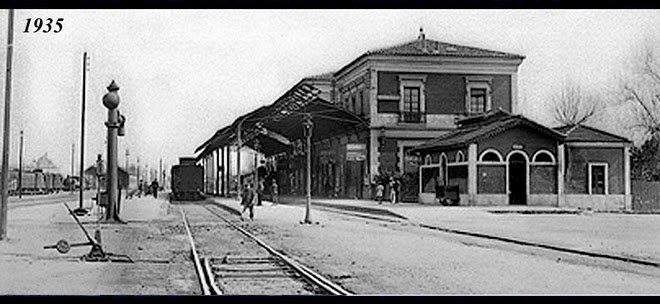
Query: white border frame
{"points": [[478, 82], [589, 178], [462, 156], [543, 151], [413, 81], [481, 156], [508, 191]]}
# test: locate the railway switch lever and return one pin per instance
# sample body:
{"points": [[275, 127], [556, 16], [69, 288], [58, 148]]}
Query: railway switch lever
{"points": [[96, 254]]}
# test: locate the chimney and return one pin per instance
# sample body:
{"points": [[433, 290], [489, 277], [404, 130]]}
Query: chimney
{"points": [[422, 38]]}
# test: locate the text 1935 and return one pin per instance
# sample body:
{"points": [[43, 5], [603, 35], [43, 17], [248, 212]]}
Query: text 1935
{"points": [[45, 25]]}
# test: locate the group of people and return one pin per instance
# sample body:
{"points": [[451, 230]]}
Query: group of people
{"points": [[143, 187], [394, 187], [251, 197]]}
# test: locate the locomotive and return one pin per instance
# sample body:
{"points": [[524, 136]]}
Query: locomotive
{"points": [[36, 182], [187, 180]]}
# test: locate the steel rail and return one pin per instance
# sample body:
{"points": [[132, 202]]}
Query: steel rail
{"points": [[198, 267], [211, 280], [304, 271]]}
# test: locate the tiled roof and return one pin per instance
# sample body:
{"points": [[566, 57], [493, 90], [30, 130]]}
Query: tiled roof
{"points": [[475, 131], [428, 47], [324, 76], [584, 133]]}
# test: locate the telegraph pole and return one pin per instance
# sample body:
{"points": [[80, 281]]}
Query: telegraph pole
{"points": [[20, 168], [160, 170], [73, 147], [138, 171], [5, 137], [81, 210], [127, 172]]}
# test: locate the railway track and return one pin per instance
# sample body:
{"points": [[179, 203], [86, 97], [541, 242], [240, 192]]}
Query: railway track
{"points": [[265, 271]]}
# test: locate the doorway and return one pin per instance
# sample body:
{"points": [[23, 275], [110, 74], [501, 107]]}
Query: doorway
{"points": [[517, 179]]}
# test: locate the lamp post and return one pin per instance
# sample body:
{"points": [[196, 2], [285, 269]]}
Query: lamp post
{"points": [[256, 171], [308, 126], [111, 101], [239, 143]]}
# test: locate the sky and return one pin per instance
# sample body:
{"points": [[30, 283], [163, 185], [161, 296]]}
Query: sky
{"points": [[183, 74]]}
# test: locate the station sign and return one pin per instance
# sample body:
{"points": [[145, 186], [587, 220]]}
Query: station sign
{"points": [[356, 152]]}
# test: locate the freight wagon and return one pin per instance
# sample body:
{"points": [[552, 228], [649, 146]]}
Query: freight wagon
{"points": [[35, 182]]}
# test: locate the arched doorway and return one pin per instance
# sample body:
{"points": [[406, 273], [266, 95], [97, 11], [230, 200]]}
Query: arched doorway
{"points": [[517, 178]]}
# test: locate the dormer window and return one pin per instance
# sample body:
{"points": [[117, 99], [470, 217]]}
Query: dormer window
{"points": [[477, 99]]}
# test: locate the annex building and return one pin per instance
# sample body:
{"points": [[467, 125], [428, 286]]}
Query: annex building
{"points": [[431, 114]]}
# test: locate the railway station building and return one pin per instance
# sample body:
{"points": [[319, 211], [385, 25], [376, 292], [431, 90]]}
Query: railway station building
{"points": [[370, 114]]}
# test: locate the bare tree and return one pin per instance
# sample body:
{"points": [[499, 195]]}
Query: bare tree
{"points": [[573, 105], [642, 89]]}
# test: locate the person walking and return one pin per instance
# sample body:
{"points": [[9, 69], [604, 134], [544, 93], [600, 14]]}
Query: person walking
{"points": [[154, 188], [274, 191], [379, 193], [248, 200]]}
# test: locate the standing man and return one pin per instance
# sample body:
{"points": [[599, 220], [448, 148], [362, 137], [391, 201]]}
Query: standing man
{"points": [[154, 188], [248, 200], [140, 186], [274, 191], [260, 191]]}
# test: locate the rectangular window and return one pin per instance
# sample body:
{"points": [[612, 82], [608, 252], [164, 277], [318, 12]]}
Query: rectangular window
{"points": [[477, 101], [597, 178], [411, 99], [411, 104]]}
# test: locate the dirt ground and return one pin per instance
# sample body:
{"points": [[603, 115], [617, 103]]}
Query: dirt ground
{"points": [[154, 238], [374, 257]]}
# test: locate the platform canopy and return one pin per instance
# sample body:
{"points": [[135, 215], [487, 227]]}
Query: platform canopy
{"points": [[277, 126]]}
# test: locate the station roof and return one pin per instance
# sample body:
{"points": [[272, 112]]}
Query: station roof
{"points": [[276, 125]]}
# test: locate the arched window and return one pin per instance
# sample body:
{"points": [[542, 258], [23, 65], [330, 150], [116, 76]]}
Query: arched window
{"points": [[460, 157], [491, 155], [543, 157], [427, 160]]}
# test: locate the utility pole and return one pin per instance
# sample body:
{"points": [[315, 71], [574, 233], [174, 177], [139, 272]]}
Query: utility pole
{"points": [[20, 168], [160, 170], [138, 171], [73, 147], [81, 210], [127, 172], [5, 137]]}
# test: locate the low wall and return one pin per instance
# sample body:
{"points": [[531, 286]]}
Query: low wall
{"points": [[596, 202], [492, 200], [549, 200]]}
